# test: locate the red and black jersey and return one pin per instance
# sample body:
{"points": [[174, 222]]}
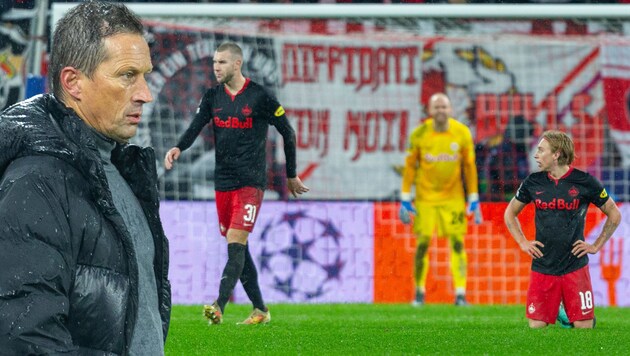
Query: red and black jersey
{"points": [[240, 124], [561, 207]]}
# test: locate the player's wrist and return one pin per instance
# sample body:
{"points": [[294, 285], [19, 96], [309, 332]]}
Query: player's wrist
{"points": [[405, 196], [473, 197]]}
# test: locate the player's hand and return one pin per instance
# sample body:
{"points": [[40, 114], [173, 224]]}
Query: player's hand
{"points": [[532, 248], [296, 186], [171, 156], [474, 208], [581, 248], [406, 209]]}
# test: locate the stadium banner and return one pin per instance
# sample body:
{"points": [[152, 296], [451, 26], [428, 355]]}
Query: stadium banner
{"points": [[13, 57], [610, 267], [305, 252], [508, 92], [498, 272], [340, 252], [493, 88], [350, 85], [352, 103], [616, 74]]}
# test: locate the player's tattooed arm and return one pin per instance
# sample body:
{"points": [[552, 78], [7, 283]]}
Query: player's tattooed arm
{"points": [[581, 248]]}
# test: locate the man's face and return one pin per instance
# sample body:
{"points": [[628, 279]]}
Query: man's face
{"points": [[111, 101], [225, 66], [440, 109], [544, 157]]}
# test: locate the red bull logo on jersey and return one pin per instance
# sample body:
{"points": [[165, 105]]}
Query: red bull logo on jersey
{"points": [[233, 123], [557, 204], [442, 157]]}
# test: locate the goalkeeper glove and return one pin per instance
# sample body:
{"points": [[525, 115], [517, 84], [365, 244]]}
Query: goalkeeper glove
{"points": [[406, 209], [474, 207]]}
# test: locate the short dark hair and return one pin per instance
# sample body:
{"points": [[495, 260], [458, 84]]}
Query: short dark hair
{"points": [[78, 38], [232, 47]]}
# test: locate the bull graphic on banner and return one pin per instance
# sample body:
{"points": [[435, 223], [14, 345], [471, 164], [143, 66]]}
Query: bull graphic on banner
{"points": [[609, 268], [13, 45], [507, 106]]}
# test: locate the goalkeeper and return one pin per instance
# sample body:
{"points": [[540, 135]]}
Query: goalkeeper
{"points": [[439, 150]]}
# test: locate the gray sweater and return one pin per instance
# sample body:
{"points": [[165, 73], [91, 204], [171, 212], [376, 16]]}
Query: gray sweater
{"points": [[147, 338]]}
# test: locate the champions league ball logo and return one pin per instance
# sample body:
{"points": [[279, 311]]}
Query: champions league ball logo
{"points": [[300, 256]]}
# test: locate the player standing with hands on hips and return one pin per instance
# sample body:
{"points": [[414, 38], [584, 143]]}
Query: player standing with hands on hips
{"points": [[561, 195], [239, 112], [439, 150]]}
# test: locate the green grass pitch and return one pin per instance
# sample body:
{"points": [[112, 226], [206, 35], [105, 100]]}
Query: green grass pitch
{"points": [[395, 329]]}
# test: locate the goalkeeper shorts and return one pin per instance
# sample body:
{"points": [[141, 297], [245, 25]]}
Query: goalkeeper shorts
{"points": [[444, 219]]}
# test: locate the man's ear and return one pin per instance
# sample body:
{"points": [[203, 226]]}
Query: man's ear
{"points": [[556, 155], [70, 78]]}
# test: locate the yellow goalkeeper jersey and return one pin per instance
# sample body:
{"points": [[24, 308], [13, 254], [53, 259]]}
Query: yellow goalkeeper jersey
{"points": [[436, 160]]}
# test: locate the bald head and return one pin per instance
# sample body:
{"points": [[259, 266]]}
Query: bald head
{"points": [[440, 110]]}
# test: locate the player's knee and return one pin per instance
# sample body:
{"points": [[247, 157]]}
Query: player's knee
{"points": [[237, 236], [583, 324], [537, 324], [458, 246], [422, 248]]}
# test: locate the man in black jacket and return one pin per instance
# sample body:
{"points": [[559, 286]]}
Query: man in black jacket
{"points": [[84, 265]]}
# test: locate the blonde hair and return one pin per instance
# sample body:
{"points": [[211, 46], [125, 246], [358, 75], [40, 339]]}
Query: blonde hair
{"points": [[561, 143]]}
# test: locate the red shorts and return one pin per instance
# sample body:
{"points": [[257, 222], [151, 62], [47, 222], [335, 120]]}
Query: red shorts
{"points": [[547, 291], [238, 209]]}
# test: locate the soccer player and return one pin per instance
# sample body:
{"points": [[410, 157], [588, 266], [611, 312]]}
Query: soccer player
{"points": [[439, 150], [561, 195], [239, 112]]}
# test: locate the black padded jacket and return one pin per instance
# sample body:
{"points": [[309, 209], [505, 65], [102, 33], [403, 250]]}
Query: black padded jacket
{"points": [[68, 279]]}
